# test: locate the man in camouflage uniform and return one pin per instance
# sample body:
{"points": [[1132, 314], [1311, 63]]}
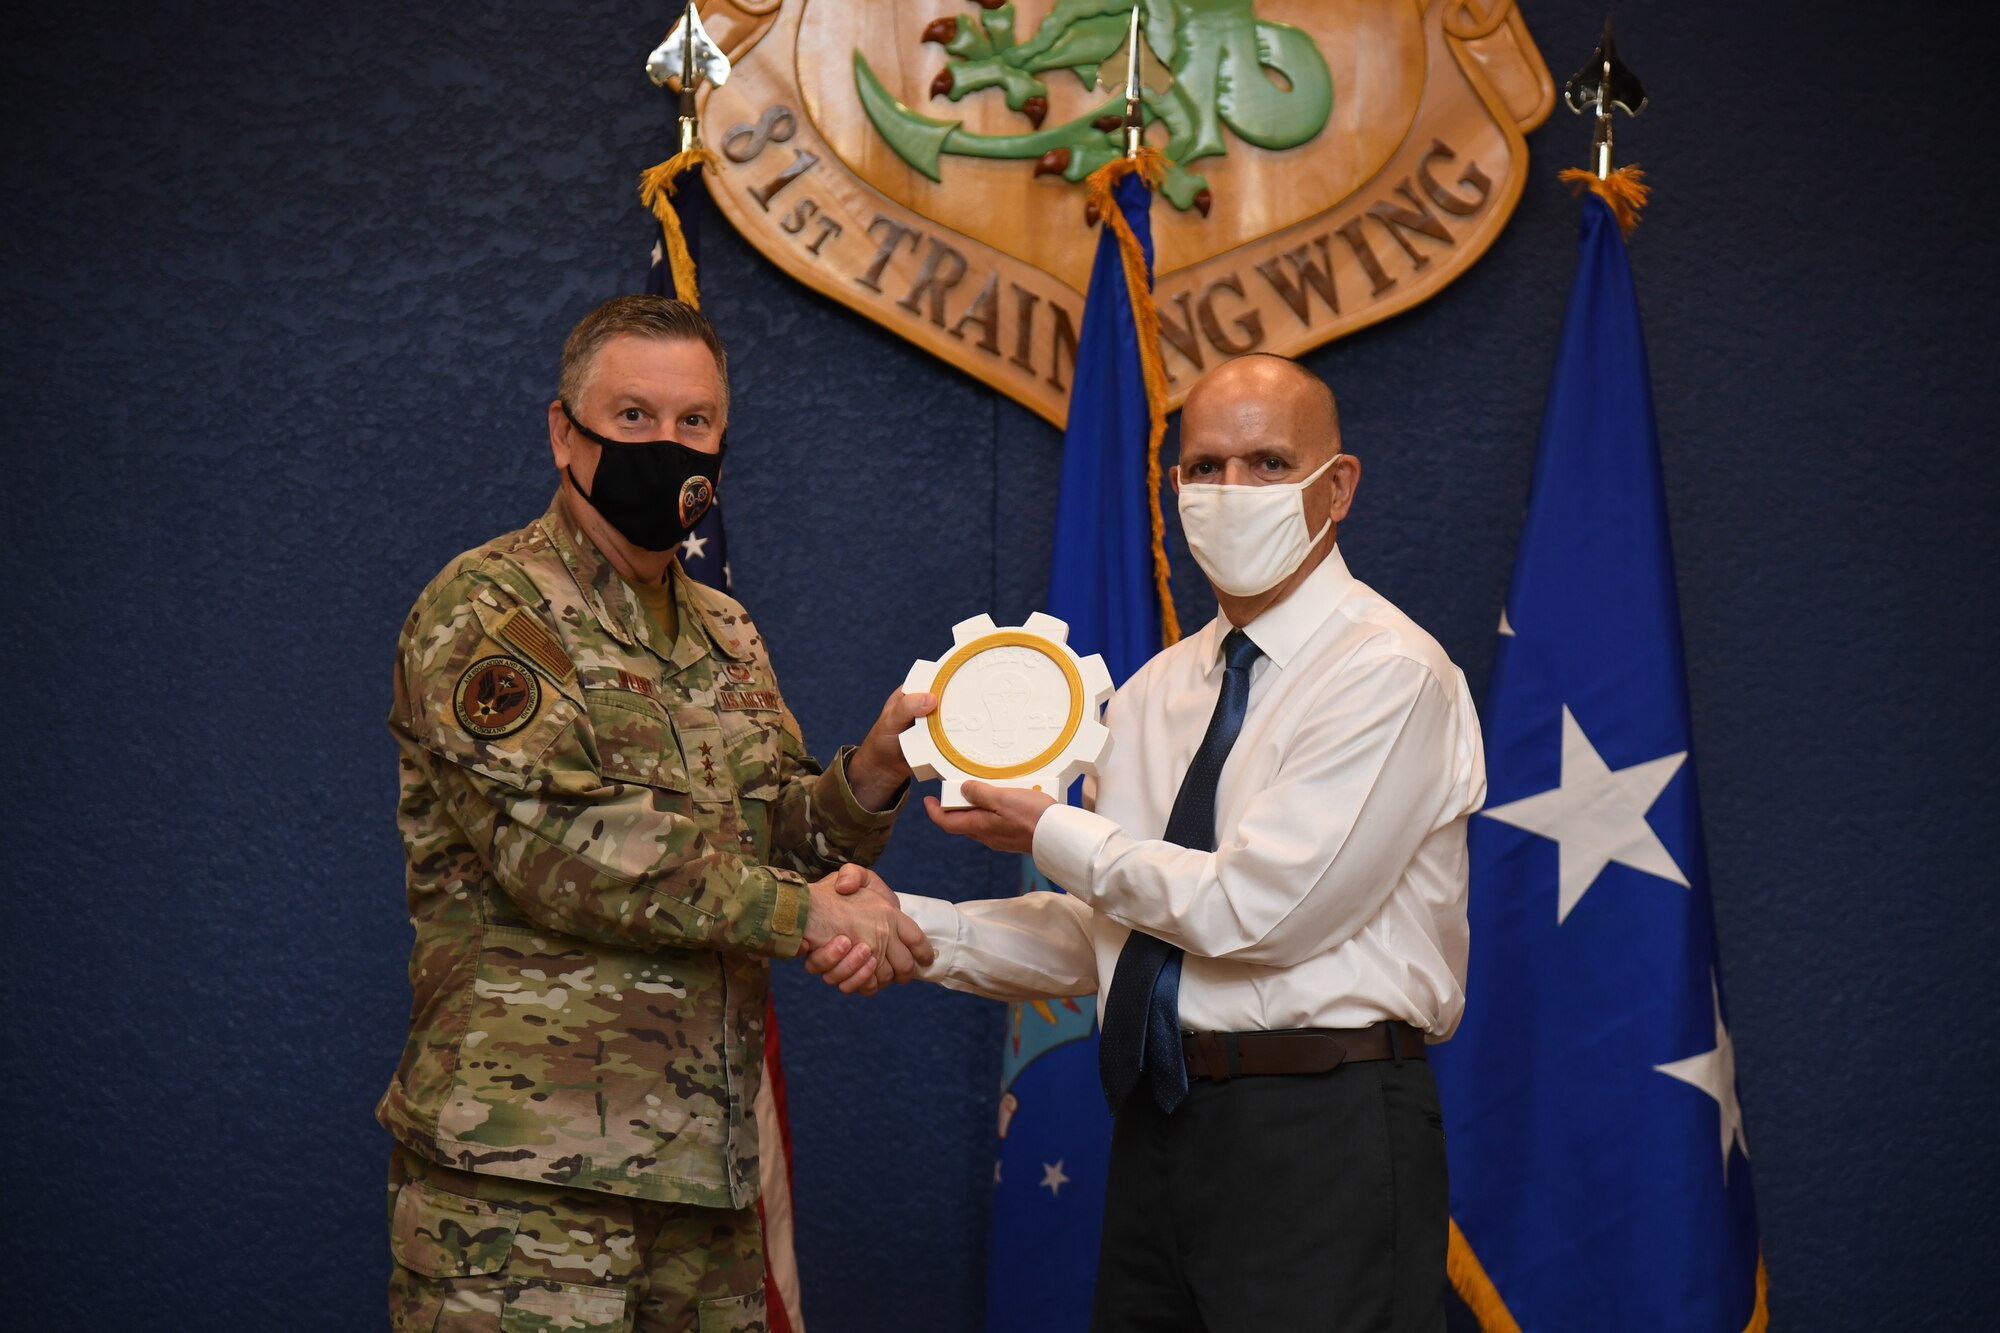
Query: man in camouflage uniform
{"points": [[611, 827]]}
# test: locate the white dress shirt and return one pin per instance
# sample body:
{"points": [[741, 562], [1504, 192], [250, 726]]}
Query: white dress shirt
{"points": [[1335, 896]]}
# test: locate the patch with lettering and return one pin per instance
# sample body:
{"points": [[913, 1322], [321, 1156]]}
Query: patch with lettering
{"points": [[697, 494], [496, 696], [749, 700], [637, 684], [520, 630]]}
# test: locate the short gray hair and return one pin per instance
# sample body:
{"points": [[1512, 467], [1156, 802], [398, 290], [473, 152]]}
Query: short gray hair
{"points": [[660, 317]]}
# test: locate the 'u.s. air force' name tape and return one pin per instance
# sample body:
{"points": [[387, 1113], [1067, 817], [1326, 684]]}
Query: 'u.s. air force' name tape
{"points": [[761, 700]]}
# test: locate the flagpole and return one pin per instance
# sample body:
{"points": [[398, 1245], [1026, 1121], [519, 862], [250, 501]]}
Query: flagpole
{"points": [[1135, 128], [1100, 187], [1602, 86], [687, 56], [1590, 661], [690, 119]]}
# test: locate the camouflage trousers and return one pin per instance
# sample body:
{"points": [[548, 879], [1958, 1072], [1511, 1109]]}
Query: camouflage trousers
{"points": [[487, 1254]]}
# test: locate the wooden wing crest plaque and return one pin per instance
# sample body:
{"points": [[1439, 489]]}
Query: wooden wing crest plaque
{"points": [[1331, 162]]}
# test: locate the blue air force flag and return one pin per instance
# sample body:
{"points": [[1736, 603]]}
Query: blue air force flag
{"points": [[1055, 1133], [1600, 1172]]}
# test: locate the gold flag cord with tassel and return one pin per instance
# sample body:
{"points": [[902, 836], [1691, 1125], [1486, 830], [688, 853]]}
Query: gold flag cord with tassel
{"points": [[1101, 185], [1623, 190], [1475, 1288], [656, 189], [1468, 1278]]}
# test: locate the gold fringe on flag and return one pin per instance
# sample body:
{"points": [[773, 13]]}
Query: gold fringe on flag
{"points": [[1468, 1275], [1152, 170], [656, 189], [1760, 1317], [1621, 189]]}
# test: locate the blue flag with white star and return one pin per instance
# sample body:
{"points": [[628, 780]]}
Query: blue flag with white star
{"points": [[1600, 1173], [1055, 1133]]}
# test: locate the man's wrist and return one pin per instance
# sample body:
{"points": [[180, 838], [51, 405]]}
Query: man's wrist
{"points": [[875, 790], [773, 922], [822, 919]]}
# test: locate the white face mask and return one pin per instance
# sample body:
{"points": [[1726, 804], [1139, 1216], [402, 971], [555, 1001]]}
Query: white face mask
{"points": [[1249, 539]]}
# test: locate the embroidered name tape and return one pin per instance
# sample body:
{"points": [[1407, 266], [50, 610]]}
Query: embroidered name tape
{"points": [[750, 700], [637, 684]]}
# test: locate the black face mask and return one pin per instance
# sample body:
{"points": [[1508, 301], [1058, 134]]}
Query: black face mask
{"points": [[652, 491]]}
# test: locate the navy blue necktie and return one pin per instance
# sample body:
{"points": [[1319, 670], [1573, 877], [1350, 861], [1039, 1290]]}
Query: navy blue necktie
{"points": [[1142, 1025]]}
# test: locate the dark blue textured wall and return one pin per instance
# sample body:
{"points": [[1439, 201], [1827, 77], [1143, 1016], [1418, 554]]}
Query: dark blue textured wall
{"points": [[283, 290]]}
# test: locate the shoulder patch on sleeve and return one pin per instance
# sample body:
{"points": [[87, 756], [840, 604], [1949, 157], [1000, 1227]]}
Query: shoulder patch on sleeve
{"points": [[520, 630], [497, 696]]}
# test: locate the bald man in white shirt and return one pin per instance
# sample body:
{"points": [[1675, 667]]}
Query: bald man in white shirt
{"points": [[1268, 898]]}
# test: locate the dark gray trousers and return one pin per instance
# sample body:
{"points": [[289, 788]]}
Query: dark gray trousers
{"points": [[1279, 1204]]}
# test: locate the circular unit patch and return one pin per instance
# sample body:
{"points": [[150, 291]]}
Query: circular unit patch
{"points": [[496, 696], [697, 494]]}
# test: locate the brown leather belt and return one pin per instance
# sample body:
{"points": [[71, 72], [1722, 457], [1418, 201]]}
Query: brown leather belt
{"points": [[1226, 1055]]}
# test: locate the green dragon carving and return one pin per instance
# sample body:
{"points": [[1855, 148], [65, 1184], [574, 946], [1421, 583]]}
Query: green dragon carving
{"points": [[1220, 53]]}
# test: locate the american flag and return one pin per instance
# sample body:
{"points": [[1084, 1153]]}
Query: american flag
{"points": [[705, 556], [705, 553]]}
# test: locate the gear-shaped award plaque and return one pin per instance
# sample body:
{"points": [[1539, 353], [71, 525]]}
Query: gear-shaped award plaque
{"points": [[1016, 707]]}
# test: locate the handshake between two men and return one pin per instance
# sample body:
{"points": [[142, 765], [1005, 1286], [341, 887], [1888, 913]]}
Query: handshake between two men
{"points": [[1311, 879], [857, 936]]}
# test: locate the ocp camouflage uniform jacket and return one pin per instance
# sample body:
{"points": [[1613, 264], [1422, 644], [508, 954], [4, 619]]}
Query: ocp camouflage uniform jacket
{"points": [[608, 835]]}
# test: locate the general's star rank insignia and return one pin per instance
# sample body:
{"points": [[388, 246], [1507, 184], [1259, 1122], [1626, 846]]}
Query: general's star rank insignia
{"points": [[496, 696]]}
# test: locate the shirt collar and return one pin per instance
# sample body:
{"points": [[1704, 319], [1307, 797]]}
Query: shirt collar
{"points": [[720, 618], [620, 611], [1284, 628]]}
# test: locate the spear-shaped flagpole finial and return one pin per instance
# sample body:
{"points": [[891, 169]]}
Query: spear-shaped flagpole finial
{"points": [[1602, 84], [690, 125], [688, 55], [1135, 127]]}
